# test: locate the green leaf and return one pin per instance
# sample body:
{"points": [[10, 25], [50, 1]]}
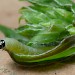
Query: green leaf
{"points": [[29, 30], [33, 16], [64, 2], [12, 34], [55, 13], [49, 11], [64, 15], [73, 8], [50, 35]]}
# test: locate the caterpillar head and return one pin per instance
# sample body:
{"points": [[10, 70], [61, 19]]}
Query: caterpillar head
{"points": [[2, 44]]}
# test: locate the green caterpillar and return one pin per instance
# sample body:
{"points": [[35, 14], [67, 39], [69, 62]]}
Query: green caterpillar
{"points": [[23, 54]]}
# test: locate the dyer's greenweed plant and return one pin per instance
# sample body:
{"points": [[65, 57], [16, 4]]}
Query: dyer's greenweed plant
{"points": [[48, 35]]}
